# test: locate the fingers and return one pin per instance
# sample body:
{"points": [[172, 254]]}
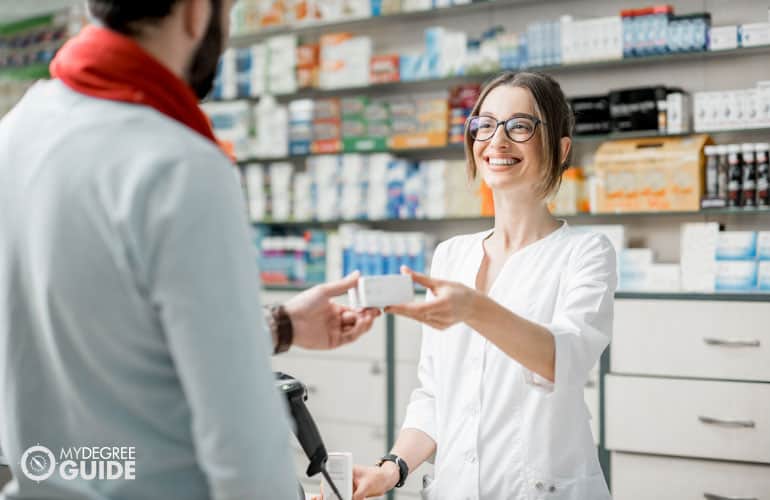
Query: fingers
{"points": [[420, 278], [416, 310], [335, 288]]}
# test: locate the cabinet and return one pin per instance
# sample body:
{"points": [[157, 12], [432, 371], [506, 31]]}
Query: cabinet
{"points": [[689, 382]]}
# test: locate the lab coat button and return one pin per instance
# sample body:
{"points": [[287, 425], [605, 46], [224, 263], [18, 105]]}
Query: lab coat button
{"points": [[540, 486], [552, 489]]}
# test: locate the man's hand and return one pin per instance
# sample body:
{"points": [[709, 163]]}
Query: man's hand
{"points": [[319, 323]]}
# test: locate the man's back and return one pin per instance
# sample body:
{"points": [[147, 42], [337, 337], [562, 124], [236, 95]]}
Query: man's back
{"points": [[129, 309]]}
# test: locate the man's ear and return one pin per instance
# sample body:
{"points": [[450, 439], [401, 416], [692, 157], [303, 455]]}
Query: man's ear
{"points": [[566, 146], [196, 15]]}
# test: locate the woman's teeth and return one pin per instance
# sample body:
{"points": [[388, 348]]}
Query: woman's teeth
{"points": [[502, 161]]}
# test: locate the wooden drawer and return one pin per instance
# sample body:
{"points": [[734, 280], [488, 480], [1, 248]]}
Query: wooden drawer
{"points": [[644, 477], [691, 418], [699, 339], [341, 390]]}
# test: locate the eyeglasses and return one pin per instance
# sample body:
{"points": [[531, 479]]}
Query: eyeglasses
{"points": [[519, 128]]}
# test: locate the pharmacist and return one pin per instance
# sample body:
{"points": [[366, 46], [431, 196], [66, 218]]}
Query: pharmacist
{"points": [[129, 296], [515, 319]]}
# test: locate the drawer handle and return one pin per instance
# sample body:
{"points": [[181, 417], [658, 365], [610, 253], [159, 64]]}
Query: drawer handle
{"points": [[746, 424], [730, 342], [712, 496]]}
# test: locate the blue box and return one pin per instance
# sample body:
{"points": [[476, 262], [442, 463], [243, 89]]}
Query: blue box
{"points": [[736, 276], [736, 245]]}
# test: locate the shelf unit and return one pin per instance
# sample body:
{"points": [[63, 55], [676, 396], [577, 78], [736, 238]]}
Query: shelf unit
{"points": [[316, 28], [583, 217], [445, 82], [615, 68], [456, 149]]}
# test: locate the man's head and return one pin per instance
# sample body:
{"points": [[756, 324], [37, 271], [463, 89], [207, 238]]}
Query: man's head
{"points": [[187, 35]]}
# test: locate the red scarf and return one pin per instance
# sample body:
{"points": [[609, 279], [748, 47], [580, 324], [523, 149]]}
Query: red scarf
{"points": [[107, 65]]}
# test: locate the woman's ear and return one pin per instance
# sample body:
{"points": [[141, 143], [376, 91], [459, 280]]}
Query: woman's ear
{"points": [[197, 14], [566, 146]]}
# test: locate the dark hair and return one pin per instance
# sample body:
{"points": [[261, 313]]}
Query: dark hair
{"points": [[127, 16], [552, 107]]}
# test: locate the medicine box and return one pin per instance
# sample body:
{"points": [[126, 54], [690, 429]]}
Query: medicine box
{"points": [[736, 245], [723, 37], [736, 275]]}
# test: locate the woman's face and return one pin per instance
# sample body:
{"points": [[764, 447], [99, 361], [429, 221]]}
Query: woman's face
{"points": [[502, 163]]}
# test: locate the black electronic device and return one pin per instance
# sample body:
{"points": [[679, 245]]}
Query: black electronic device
{"points": [[305, 428]]}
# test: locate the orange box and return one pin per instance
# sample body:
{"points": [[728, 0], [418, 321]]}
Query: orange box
{"points": [[307, 56], [416, 141], [650, 175], [307, 77], [327, 146], [384, 68]]}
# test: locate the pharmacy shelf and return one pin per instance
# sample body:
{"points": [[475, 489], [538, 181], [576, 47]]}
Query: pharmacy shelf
{"points": [[318, 28], [455, 149], [715, 296], [586, 217], [444, 83]]}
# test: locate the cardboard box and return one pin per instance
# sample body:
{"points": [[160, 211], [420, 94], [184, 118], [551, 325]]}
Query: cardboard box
{"points": [[420, 140], [650, 174]]}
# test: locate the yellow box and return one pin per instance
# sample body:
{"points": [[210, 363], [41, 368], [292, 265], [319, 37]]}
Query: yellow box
{"points": [[415, 141]]}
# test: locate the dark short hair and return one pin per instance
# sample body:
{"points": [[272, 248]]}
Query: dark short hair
{"points": [[552, 107], [127, 16]]}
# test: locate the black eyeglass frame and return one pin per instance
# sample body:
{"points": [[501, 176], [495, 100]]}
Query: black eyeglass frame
{"points": [[537, 121]]}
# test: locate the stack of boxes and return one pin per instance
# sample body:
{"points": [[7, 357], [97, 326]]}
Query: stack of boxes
{"points": [[742, 261], [365, 125], [344, 61], [280, 190], [256, 192], [590, 40], [308, 65], [300, 126], [421, 122], [281, 62], [327, 126], [377, 186], [461, 101], [232, 124], [447, 192], [732, 109], [544, 43], [353, 183], [325, 174], [645, 30]]}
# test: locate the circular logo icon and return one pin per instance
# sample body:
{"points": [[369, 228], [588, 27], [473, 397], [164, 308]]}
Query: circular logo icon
{"points": [[38, 463]]}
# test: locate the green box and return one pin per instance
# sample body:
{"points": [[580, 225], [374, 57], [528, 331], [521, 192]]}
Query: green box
{"points": [[364, 144]]}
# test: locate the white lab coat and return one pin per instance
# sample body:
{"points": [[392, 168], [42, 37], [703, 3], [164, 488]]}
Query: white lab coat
{"points": [[503, 432]]}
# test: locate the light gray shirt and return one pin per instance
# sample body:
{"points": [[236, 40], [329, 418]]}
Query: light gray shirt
{"points": [[129, 306]]}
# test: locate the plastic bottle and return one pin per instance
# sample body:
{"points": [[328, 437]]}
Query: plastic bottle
{"points": [[734, 176], [763, 175]]}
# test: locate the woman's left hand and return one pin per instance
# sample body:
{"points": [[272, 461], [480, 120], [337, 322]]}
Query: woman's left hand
{"points": [[452, 302]]}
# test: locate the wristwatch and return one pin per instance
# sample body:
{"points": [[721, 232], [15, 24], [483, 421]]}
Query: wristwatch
{"points": [[403, 469], [280, 325]]}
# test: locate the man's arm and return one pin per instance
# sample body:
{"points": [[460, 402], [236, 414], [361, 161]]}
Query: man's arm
{"points": [[203, 283]]}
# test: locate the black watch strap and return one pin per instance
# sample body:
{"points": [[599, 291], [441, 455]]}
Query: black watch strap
{"points": [[403, 469]]}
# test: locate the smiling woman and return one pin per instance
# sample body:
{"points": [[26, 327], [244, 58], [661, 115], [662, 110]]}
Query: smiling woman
{"points": [[514, 319]]}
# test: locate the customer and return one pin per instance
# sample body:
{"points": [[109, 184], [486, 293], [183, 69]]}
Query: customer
{"points": [[515, 319], [129, 293]]}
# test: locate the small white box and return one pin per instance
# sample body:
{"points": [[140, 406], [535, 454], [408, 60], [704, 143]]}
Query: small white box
{"points": [[340, 469], [754, 34], [382, 291], [736, 275], [723, 37], [678, 113], [737, 245]]}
